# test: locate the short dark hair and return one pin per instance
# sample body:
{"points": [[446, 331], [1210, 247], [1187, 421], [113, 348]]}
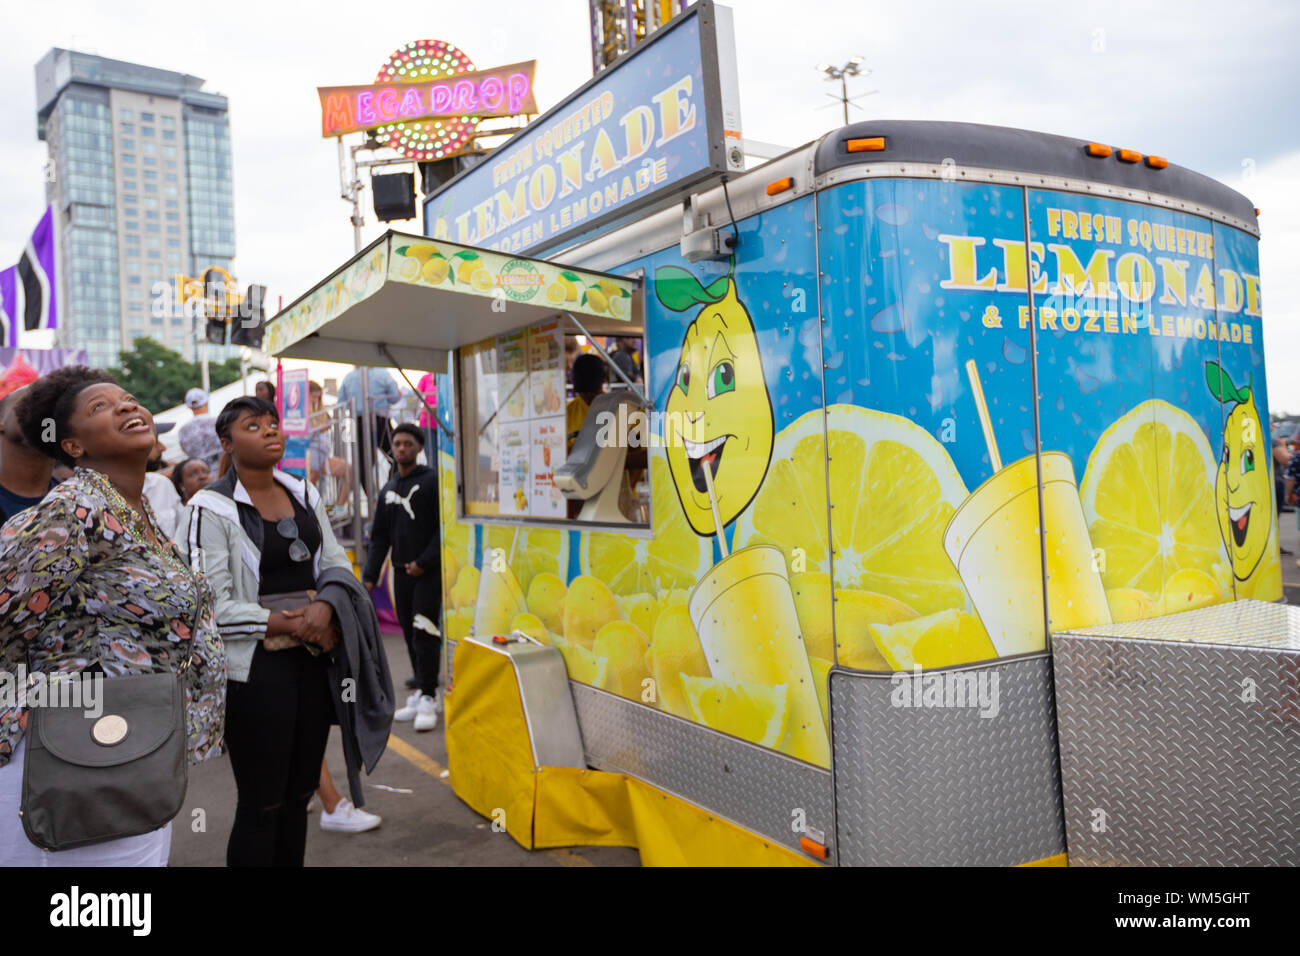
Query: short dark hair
{"points": [[178, 474], [270, 387], [238, 406], [406, 428], [51, 398], [589, 373]]}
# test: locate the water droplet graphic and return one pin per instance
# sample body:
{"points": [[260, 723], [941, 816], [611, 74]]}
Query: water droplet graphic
{"points": [[892, 214], [1014, 353], [1087, 383], [889, 320]]}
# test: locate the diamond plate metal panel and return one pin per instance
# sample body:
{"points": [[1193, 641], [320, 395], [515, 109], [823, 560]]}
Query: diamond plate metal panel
{"points": [[1236, 624], [748, 785], [933, 786], [1179, 754]]}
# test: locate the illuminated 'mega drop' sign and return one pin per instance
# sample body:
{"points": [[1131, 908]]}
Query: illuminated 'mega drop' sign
{"points": [[428, 99]]}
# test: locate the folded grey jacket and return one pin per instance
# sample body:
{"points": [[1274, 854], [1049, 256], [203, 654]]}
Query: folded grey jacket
{"points": [[363, 686]]}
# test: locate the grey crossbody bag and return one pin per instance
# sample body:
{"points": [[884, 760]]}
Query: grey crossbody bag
{"points": [[89, 780]]}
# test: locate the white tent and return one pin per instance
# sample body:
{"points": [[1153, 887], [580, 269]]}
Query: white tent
{"points": [[319, 371]]}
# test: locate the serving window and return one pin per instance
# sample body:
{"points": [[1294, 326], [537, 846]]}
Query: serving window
{"points": [[521, 417]]}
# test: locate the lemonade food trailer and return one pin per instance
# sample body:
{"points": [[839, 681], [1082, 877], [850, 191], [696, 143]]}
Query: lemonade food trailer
{"points": [[937, 392]]}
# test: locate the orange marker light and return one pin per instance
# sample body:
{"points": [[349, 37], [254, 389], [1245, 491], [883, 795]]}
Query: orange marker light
{"points": [[780, 186], [1256, 212], [1097, 149], [1157, 162], [1129, 155], [813, 848], [868, 144]]}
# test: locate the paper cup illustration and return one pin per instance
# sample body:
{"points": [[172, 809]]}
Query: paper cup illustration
{"points": [[993, 540]]}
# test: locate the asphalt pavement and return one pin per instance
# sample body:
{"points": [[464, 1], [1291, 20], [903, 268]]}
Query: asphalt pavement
{"points": [[425, 823]]}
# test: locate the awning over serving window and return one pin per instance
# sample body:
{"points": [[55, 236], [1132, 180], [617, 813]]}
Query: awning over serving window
{"points": [[414, 299]]}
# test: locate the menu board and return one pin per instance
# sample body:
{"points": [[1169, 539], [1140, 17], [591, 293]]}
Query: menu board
{"points": [[512, 477], [546, 369], [512, 365], [530, 433]]}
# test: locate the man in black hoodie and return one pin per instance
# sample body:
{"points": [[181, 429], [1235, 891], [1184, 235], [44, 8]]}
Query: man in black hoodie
{"points": [[407, 523]]}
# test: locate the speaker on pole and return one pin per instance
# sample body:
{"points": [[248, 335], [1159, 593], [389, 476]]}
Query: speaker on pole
{"points": [[394, 196], [251, 323]]}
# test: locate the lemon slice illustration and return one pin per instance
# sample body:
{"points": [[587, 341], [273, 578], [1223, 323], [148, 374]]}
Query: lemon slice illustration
{"points": [[894, 488], [1148, 498], [753, 712]]}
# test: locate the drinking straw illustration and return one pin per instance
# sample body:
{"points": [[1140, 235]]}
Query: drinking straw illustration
{"points": [[972, 370], [713, 503]]}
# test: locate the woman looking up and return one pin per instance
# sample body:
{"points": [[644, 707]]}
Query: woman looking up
{"points": [[262, 538], [90, 584]]}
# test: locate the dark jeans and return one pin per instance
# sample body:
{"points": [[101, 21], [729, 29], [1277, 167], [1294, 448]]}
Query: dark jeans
{"points": [[422, 595], [277, 726]]}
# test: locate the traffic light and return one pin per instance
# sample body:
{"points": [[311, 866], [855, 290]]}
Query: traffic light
{"points": [[216, 331], [250, 323]]}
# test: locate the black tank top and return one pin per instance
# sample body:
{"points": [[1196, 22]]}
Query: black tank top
{"points": [[281, 574]]}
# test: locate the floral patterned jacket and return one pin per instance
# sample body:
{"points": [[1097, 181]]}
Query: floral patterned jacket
{"points": [[79, 588]]}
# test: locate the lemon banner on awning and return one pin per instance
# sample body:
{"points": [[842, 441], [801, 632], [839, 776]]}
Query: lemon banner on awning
{"points": [[416, 298]]}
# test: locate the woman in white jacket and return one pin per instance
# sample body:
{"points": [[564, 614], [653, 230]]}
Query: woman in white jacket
{"points": [[261, 536]]}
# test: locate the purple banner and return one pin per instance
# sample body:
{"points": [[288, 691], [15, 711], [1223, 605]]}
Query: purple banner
{"points": [[19, 367], [29, 290]]}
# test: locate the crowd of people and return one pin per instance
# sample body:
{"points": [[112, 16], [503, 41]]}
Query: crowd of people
{"points": [[224, 570]]}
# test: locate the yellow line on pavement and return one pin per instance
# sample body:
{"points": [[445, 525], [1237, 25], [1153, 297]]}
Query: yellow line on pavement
{"points": [[434, 769], [423, 761]]}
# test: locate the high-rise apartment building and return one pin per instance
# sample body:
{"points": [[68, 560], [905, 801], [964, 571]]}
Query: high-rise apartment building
{"points": [[139, 175]]}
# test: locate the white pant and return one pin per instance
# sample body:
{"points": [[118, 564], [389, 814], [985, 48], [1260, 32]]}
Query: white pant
{"points": [[148, 849]]}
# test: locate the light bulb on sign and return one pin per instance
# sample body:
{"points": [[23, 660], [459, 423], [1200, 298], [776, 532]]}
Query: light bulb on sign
{"points": [[428, 59]]}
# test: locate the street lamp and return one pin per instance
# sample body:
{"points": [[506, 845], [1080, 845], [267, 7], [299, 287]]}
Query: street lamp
{"points": [[852, 68]]}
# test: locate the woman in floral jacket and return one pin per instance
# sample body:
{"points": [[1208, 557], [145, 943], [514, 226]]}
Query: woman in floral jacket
{"points": [[89, 583]]}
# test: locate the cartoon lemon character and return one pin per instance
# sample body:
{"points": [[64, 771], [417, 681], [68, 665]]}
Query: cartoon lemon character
{"points": [[1243, 490], [718, 411]]}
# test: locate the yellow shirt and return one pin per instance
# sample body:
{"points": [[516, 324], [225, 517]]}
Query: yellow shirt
{"points": [[574, 415]]}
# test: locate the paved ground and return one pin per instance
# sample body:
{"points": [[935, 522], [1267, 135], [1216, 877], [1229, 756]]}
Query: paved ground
{"points": [[425, 824]]}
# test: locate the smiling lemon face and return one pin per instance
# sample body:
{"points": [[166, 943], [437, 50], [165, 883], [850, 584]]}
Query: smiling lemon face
{"points": [[718, 413], [1243, 490]]}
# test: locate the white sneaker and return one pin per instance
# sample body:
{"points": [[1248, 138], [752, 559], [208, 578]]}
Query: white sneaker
{"points": [[426, 717], [348, 819], [410, 709]]}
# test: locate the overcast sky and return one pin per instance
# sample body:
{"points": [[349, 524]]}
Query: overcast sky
{"points": [[1213, 86]]}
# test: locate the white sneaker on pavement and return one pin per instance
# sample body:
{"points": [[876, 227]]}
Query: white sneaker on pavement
{"points": [[348, 819], [410, 709], [426, 717]]}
